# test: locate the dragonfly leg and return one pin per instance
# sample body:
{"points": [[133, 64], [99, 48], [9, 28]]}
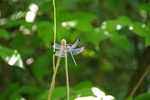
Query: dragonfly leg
{"points": [[73, 58]]}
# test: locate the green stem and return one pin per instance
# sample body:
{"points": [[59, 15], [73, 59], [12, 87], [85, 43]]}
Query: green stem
{"points": [[55, 72], [140, 81], [54, 7]]}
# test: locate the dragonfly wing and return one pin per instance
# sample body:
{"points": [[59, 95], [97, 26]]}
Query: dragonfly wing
{"points": [[75, 44], [77, 50], [56, 46], [62, 54]]}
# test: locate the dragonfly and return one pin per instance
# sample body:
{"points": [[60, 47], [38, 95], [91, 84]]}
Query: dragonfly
{"points": [[68, 49]]}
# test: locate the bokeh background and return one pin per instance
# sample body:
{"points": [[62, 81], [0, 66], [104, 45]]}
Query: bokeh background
{"points": [[116, 34]]}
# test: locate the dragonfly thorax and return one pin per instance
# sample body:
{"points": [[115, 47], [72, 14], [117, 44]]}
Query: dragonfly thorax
{"points": [[67, 48]]}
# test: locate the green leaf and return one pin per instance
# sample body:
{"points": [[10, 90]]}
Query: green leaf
{"points": [[62, 33], [145, 7], [144, 96], [139, 29], [15, 23], [28, 90], [147, 41], [124, 21], [11, 88], [59, 92], [45, 31], [95, 37], [4, 34], [84, 84], [85, 91], [40, 66], [43, 95], [84, 26], [10, 56], [120, 40], [117, 24]]}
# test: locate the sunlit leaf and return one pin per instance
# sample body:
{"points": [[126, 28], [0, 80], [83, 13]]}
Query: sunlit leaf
{"points": [[139, 29], [10, 56]]}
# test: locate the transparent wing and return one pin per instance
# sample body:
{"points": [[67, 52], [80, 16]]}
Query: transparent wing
{"points": [[61, 54], [77, 50], [75, 44], [56, 46]]}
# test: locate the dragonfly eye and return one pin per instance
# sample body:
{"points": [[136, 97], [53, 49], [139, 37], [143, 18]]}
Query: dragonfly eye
{"points": [[79, 39]]}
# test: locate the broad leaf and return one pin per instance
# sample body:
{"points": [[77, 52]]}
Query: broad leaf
{"points": [[4, 34], [10, 56]]}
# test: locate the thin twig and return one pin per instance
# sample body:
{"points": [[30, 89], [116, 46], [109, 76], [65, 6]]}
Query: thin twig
{"points": [[67, 76], [54, 7], [55, 72], [140, 81]]}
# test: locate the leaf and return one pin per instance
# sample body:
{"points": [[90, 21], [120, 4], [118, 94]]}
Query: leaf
{"points": [[15, 23], [84, 25], [145, 7], [124, 21], [85, 91], [10, 56], [139, 30], [95, 37], [59, 92], [4, 34], [40, 66], [62, 33], [28, 90], [144, 96], [147, 41], [84, 84], [45, 31], [43, 95], [117, 24], [120, 40]]}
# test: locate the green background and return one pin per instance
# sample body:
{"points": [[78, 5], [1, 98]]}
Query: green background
{"points": [[116, 34]]}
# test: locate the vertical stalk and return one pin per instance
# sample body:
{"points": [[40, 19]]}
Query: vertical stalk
{"points": [[55, 72], [54, 7], [67, 76]]}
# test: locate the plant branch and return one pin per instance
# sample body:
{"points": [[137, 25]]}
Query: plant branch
{"points": [[54, 7], [55, 72], [67, 76], [139, 82]]}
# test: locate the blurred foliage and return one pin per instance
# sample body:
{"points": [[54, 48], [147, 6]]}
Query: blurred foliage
{"points": [[116, 36]]}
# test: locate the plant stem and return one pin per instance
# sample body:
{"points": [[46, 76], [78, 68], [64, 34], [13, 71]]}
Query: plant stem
{"points": [[67, 76], [54, 7], [140, 81], [55, 72]]}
